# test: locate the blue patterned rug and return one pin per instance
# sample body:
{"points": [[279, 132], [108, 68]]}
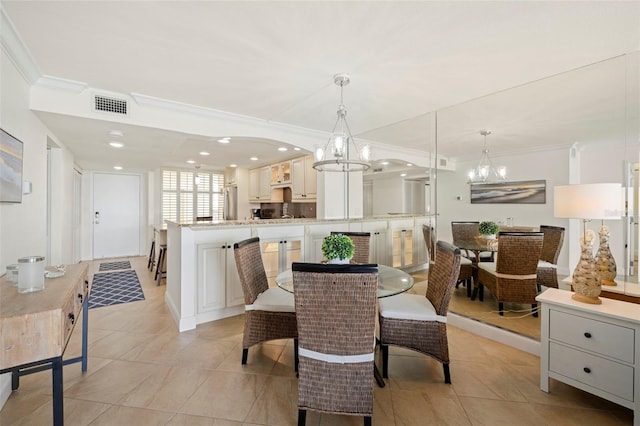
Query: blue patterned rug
{"points": [[113, 288], [110, 266]]}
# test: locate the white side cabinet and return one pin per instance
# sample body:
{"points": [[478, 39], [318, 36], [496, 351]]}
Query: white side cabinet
{"points": [[595, 348]]}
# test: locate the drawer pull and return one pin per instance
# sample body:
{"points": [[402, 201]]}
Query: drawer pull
{"points": [[586, 370], [80, 297], [587, 335], [72, 318]]}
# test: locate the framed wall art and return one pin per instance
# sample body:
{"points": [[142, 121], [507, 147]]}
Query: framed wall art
{"points": [[11, 150], [519, 192]]}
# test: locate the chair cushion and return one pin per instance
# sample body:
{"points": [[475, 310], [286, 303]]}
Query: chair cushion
{"points": [[273, 300], [409, 307], [465, 261], [488, 266], [545, 264]]}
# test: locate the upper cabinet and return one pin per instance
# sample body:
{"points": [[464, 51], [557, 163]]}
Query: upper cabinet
{"points": [[230, 175], [259, 184], [281, 173], [303, 179]]}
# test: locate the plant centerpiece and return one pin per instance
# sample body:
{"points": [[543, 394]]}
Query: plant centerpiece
{"points": [[338, 248], [488, 229]]}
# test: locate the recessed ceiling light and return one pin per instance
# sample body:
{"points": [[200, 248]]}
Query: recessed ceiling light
{"points": [[191, 161], [282, 149], [117, 167], [224, 140], [115, 133], [384, 163], [253, 158], [409, 165], [116, 144], [296, 148], [233, 165], [205, 153], [403, 174]]}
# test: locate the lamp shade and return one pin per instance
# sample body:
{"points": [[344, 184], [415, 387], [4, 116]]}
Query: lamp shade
{"points": [[588, 201]]}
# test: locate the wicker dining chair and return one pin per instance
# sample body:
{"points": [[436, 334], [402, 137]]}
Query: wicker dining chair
{"points": [[547, 266], [468, 231], [512, 277], [336, 311], [361, 242], [420, 323], [466, 265], [269, 312]]}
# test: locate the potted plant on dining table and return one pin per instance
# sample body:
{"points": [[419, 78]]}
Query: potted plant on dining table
{"points": [[338, 248], [488, 230]]}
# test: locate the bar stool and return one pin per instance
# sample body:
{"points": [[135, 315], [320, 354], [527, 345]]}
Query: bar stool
{"points": [[161, 271], [152, 254]]}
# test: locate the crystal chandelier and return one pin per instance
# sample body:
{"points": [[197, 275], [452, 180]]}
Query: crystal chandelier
{"points": [[485, 171], [340, 153]]}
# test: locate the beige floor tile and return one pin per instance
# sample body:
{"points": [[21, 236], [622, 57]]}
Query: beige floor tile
{"points": [[187, 420], [413, 408], [119, 415], [491, 412], [277, 404]]}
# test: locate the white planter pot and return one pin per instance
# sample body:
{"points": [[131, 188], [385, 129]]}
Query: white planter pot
{"points": [[339, 261]]}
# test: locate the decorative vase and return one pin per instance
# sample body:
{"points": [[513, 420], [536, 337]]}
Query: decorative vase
{"points": [[605, 264], [586, 281], [338, 261]]}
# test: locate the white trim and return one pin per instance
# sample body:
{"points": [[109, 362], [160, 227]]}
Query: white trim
{"points": [[17, 50], [335, 359]]}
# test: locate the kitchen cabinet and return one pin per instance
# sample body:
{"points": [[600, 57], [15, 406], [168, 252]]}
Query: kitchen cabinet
{"points": [[379, 248], [281, 173], [260, 184], [280, 247], [402, 243], [218, 283], [303, 179], [230, 175], [595, 348]]}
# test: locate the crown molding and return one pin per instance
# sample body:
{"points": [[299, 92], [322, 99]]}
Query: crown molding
{"points": [[62, 84], [15, 48]]}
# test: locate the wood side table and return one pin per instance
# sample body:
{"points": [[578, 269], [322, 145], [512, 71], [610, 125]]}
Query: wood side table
{"points": [[35, 329]]}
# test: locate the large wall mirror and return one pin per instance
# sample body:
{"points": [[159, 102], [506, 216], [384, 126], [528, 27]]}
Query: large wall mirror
{"points": [[581, 126]]}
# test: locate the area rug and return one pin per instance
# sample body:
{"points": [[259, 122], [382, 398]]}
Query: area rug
{"points": [[111, 266], [113, 288]]}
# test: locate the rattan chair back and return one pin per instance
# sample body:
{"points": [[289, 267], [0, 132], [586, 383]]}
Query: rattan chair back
{"points": [[361, 242], [430, 240], [253, 277], [464, 230], [552, 244], [336, 311], [443, 276], [518, 252]]}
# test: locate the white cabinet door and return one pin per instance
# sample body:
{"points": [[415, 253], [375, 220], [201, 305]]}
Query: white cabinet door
{"points": [[264, 183], [235, 295], [310, 179], [211, 265], [380, 247], [254, 185], [298, 179]]}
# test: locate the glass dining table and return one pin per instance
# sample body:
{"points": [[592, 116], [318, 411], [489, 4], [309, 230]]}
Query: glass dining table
{"points": [[391, 281]]}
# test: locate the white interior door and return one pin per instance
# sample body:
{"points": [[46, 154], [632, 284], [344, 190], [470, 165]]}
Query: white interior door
{"points": [[116, 215]]}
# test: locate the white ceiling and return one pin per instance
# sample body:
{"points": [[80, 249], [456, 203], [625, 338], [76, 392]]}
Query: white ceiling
{"points": [[276, 60]]}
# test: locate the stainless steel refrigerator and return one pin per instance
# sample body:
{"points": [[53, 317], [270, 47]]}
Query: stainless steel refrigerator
{"points": [[230, 211]]}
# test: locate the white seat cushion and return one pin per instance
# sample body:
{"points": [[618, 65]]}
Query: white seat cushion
{"points": [[273, 300], [545, 264], [488, 266], [409, 307], [465, 261]]}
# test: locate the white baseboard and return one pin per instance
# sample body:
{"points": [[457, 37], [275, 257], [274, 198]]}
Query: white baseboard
{"points": [[500, 335]]}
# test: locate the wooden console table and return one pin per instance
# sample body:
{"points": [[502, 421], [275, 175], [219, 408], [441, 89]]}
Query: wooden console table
{"points": [[36, 328]]}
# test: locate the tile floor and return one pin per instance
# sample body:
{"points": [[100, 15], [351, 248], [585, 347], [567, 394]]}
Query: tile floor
{"points": [[143, 372]]}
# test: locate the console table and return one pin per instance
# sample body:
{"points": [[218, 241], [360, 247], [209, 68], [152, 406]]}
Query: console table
{"points": [[595, 348], [36, 328]]}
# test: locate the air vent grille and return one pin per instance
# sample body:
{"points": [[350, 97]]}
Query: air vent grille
{"points": [[107, 104], [443, 162]]}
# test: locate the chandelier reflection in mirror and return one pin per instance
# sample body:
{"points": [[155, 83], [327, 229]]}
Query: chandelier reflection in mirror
{"points": [[485, 171], [341, 153]]}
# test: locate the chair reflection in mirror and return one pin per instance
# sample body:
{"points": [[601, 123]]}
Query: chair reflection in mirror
{"points": [[420, 323], [512, 277], [336, 313], [547, 265], [466, 265], [467, 231]]}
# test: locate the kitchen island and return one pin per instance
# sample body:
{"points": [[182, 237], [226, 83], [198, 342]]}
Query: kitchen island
{"points": [[202, 279]]}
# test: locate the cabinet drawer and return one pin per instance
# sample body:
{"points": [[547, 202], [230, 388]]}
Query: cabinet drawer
{"points": [[609, 376], [591, 335]]}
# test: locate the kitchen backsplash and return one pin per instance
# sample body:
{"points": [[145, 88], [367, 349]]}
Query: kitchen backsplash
{"points": [[277, 210]]}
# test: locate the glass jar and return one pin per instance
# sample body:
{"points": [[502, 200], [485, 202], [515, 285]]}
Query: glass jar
{"points": [[31, 276], [12, 274]]}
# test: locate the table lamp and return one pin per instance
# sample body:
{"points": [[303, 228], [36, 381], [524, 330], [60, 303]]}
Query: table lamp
{"points": [[587, 202]]}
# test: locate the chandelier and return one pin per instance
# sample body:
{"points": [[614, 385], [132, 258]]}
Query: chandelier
{"points": [[340, 153], [485, 171]]}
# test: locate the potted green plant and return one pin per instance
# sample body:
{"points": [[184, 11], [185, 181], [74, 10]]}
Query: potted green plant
{"points": [[338, 248], [488, 229]]}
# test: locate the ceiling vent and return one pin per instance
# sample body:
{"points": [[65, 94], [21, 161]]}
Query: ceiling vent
{"points": [[108, 104]]}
